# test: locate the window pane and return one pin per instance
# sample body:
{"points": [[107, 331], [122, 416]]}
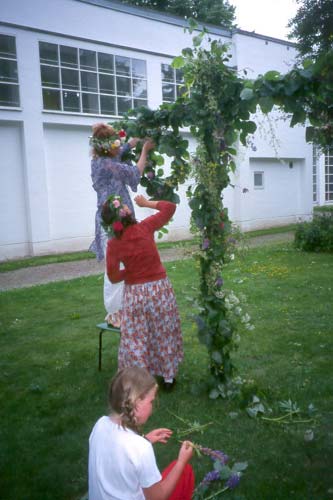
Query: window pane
{"points": [[71, 101], [124, 105], [105, 62], [139, 88], [9, 95], [50, 76], [106, 84], [7, 46], [168, 92], [70, 79], [179, 76], [87, 59], [51, 99], [90, 103], [258, 179], [8, 71], [181, 89], [48, 53], [168, 74], [68, 56], [123, 86], [88, 81], [108, 105], [123, 65], [139, 68], [137, 103]]}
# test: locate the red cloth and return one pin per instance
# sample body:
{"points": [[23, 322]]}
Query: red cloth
{"points": [[185, 486], [137, 250]]}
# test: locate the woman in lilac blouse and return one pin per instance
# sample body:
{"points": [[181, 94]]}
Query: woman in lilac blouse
{"points": [[110, 175]]}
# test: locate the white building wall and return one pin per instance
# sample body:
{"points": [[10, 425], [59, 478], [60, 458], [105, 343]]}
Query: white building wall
{"points": [[48, 169], [287, 193]]}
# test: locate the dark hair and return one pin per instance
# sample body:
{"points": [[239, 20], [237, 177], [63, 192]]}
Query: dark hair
{"points": [[126, 388], [110, 215]]}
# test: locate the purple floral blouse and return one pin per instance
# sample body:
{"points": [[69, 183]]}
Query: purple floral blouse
{"points": [[111, 176]]}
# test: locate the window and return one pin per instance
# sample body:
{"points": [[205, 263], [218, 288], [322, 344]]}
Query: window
{"points": [[84, 81], [172, 83], [329, 174], [9, 84], [258, 180], [315, 164]]}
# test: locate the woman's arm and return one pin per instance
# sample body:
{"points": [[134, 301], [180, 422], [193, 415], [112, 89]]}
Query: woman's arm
{"points": [[166, 210], [115, 274], [147, 146], [164, 488]]}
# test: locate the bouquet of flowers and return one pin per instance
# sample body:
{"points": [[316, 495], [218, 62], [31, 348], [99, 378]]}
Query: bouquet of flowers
{"points": [[222, 477]]}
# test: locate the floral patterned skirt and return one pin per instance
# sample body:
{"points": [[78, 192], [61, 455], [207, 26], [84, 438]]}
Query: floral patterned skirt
{"points": [[150, 329]]}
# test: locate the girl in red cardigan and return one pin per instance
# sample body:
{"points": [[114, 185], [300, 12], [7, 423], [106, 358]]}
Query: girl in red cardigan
{"points": [[150, 327]]}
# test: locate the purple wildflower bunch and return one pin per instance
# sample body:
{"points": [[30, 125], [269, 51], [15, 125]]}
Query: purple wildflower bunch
{"points": [[228, 477]]}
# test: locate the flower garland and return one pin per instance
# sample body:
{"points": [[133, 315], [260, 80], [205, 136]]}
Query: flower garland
{"points": [[115, 217], [102, 146]]}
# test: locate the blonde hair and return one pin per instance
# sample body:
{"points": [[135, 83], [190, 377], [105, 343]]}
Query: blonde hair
{"points": [[126, 388]]}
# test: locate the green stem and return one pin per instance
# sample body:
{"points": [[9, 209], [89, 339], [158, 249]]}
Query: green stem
{"points": [[277, 419], [193, 429], [217, 493]]}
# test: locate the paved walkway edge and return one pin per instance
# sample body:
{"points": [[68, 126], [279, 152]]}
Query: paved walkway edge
{"points": [[40, 275]]}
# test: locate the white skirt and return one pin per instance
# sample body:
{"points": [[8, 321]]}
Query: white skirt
{"points": [[113, 292]]}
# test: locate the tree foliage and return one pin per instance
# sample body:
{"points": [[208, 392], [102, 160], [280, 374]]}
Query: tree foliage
{"points": [[218, 12], [312, 27]]}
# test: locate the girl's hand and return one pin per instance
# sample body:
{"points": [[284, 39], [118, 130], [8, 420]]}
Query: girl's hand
{"points": [[185, 452], [159, 435], [140, 200]]}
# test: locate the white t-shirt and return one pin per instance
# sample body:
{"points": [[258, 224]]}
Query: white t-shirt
{"points": [[121, 463]]}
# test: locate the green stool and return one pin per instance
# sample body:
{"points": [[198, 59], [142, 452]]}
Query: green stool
{"points": [[104, 327]]}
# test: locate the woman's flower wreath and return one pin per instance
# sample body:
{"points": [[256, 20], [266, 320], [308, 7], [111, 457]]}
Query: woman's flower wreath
{"points": [[103, 146], [114, 216]]}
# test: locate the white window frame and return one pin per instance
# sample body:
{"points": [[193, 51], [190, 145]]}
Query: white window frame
{"points": [[96, 94], [315, 170], [10, 83], [176, 82], [329, 175]]}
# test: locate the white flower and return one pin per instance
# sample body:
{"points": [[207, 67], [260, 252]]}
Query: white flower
{"points": [[246, 318], [227, 304], [232, 256], [248, 326], [238, 311], [233, 299]]}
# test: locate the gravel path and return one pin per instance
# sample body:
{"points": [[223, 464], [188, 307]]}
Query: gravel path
{"points": [[40, 275]]}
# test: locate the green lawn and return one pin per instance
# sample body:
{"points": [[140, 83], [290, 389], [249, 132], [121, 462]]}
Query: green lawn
{"points": [[52, 393]]}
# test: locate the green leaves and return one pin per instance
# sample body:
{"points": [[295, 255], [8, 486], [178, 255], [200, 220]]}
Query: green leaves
{"points": [[266, 104], [246, 94], [178, 62]]}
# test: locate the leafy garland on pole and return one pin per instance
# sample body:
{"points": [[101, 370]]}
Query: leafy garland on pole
{"points": [[218, 107]]}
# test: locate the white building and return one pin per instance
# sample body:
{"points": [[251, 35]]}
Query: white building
{"points": [[67, 64]]}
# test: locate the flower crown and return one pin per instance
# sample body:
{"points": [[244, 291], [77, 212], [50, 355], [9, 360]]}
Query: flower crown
{"points": [[114, 215], [103, 145]]}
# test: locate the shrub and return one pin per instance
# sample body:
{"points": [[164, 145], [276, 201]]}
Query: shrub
{"points": [[315, 236]]}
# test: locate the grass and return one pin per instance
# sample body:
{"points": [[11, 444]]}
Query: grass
{"points": [[52, 393], [12, 265]]}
